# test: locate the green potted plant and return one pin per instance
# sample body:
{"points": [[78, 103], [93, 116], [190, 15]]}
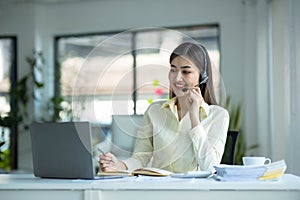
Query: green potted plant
{"points": [[235, 113], [18, 117]]}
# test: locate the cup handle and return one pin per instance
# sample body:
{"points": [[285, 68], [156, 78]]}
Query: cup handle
{"points": [[267, 161]]}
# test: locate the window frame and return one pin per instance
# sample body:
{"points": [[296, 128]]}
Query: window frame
{"points": [[13, 137]]}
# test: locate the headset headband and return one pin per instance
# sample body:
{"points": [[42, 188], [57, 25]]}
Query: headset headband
{"points": [[204, 77]]}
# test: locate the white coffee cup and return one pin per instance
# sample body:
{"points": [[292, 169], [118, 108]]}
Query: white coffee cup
{"points": [[256, 161]]}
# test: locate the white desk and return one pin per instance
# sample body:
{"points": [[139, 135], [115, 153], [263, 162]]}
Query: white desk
{"points": [[13, 187]]}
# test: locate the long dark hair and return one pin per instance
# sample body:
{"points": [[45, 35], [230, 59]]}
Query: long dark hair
{"points": [[198, 54]]}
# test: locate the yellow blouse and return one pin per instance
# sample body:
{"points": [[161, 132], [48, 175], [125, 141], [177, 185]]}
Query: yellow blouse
{"points": [[174, 145]]}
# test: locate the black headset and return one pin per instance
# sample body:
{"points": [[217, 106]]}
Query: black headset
{"points": [[204, 76]]}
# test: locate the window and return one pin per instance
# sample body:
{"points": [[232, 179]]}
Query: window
{"points": [[7, 80], [121, 73]]}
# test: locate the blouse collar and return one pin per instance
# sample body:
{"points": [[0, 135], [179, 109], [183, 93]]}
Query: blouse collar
{"points": [[204, 107]]}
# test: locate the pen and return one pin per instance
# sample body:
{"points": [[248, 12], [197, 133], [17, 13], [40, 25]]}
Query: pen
{"points": [[100, 151]]}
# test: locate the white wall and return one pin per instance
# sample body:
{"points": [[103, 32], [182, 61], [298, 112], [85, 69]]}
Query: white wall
{"points": [[286, 57], [243, 43], [294, 133]]}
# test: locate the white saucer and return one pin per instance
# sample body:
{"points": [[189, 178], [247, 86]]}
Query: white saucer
{"points": [[192, 174]]}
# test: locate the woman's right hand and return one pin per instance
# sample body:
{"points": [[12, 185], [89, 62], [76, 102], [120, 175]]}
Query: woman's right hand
{"points": [[109, 162], [195, 99]]}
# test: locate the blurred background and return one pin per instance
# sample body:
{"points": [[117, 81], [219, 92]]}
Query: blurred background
{"points": [[88, 60]]}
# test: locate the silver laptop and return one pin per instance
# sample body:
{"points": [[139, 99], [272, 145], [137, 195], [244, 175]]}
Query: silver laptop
{"points": [[62, 150]]}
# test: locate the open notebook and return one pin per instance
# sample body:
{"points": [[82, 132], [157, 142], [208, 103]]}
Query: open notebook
{"points": [[152, 171], [62, 150], [148, 171]]}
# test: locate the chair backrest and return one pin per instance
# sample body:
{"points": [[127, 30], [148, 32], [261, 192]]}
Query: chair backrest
{"points": [[123, 132], [228, 156]]}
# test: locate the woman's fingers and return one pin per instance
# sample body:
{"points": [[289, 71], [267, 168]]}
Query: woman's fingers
{"points": [[107, 162], [109, 169], [111, 157], [106, 159], [194, 95]]}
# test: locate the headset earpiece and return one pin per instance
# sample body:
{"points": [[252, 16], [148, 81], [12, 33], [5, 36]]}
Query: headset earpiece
{"points": [[204, 78]]}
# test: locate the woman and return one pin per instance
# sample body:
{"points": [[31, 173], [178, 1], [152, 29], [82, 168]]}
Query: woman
{"points": [[187, 132]]}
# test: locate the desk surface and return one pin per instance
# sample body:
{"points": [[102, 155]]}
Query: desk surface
{"points": [[287, 182]]}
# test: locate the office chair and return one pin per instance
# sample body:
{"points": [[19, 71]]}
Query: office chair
{"points": [[228, 156]]}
